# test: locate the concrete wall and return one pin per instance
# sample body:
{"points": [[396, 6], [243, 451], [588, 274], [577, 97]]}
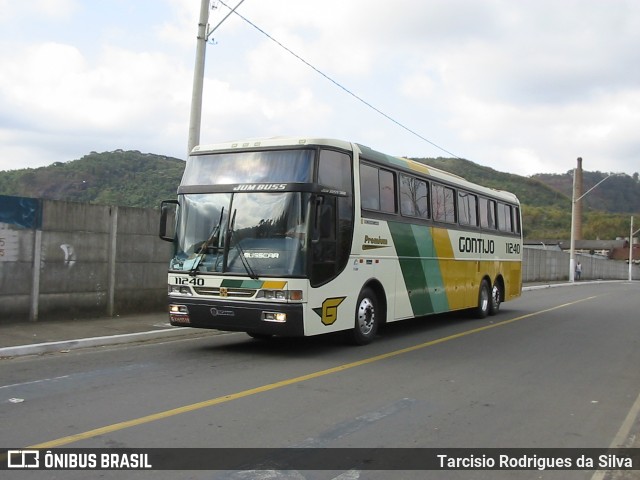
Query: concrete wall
{"points": [[540, 265], [16, 271], [93, 261]]}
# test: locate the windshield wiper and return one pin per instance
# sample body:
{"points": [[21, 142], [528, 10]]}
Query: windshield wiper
{"points": [[216, 230], [243, 259]]}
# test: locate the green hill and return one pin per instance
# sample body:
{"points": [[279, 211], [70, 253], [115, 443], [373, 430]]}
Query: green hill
{"points": [[620, 193], [529, 190], [126, 178], [135, 179], [546, 199]]}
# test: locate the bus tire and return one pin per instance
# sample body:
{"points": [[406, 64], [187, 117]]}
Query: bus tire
{"points": [[484, 300], [367, 317], [496, 299]]}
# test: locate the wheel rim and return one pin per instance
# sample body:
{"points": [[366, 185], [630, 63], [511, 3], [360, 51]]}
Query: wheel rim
{"points": [[366, 316], [495, 297]]}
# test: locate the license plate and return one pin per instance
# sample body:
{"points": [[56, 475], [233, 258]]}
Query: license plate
{"points": [[180, 319]]}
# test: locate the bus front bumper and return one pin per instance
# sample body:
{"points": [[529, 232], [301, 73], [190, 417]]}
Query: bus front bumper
{"points": [[283, 319]]}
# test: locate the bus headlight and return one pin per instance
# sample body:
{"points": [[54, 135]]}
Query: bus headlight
{"points": [[277, 317], [281, 295], [180, 290]]}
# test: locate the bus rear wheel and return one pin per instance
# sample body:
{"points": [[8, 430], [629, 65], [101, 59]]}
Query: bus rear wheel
{"points": [[484, 300], [366, 318]]}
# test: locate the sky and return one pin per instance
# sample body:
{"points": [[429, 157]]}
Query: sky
{"points": [[521, 86]]}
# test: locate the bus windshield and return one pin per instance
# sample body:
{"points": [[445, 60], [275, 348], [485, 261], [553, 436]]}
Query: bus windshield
{"points": [[273, 166], [246, 233]]}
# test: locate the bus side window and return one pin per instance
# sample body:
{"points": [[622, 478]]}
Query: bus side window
{"points": [[387, 191], [467, 209], [516, 220], [504, 217], [377, 189], [369, 187], [414, 197], [443, 203], [487, 214]]}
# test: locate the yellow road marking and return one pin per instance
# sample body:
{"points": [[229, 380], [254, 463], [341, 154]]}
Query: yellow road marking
{"points": [[283, 383]]}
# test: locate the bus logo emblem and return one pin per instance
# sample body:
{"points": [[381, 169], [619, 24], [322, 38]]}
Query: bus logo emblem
{"points": [[329, 310], [224, 292]]}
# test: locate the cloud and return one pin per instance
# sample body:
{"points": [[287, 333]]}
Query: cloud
{"points": [[125, 96], [512, 85], [179, 27], [11, 10]]}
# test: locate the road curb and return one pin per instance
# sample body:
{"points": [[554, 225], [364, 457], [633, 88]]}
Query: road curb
{"points": [[66, 345], [569, 284]]}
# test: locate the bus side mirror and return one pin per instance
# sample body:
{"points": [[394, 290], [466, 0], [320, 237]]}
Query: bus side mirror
{"points": [[168, 209]]}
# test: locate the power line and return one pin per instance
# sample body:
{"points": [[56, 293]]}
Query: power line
{"points": [[339, 85]]}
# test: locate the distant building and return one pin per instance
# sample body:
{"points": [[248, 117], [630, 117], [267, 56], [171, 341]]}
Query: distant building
{"points": [[623, 253], [603, 248]]}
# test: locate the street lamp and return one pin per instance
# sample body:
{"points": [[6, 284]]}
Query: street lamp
{"points": [[574, 200]]}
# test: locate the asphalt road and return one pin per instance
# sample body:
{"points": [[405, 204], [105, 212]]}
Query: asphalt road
{"points": [[557, 368]]}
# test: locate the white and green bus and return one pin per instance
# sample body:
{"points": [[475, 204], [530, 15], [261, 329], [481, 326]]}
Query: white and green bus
{"points": [[304, 236]]}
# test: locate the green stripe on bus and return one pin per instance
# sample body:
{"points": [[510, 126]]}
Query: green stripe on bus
{"points": [[414, 247], [241, 283], [432, 268]]}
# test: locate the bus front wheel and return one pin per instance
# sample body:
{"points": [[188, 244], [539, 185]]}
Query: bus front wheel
{"points": [[484, 300], [366, 319]]}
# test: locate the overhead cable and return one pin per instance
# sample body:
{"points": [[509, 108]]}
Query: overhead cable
{"points": [[339, 85]]}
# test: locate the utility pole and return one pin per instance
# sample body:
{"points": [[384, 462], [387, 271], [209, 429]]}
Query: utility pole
{"points": [[631, 234], [572, 247], [195, 118]]}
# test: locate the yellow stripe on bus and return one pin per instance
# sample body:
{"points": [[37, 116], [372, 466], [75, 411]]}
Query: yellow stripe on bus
{"points": [[274, 285]]}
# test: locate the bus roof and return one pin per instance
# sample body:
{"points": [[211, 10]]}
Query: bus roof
{"points": [[272, 142], [368, 153]]}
